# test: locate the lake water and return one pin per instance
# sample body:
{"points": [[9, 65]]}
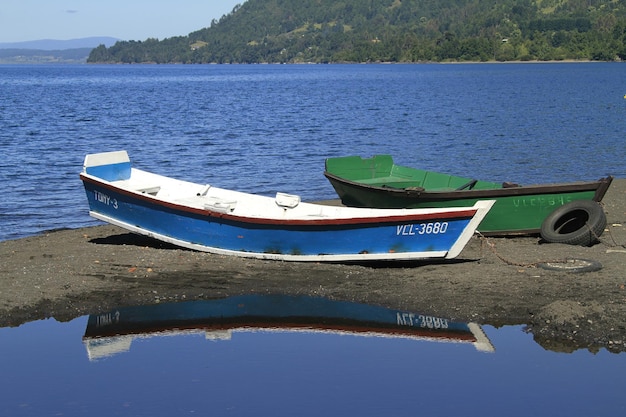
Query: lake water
{"points": [[268, 128]]}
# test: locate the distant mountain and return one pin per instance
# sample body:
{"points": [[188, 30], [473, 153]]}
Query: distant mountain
{"points": [[50, 51], [58, 45], [39, 56]]}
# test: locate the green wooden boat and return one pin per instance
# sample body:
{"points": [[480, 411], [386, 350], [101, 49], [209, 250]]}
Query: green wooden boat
{"points": [[519, 210]]}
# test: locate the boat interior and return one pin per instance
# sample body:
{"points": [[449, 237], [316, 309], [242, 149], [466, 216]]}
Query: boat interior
{"points": [[380, 171]]}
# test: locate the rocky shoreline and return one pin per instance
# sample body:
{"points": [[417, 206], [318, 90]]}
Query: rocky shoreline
{"points": [[495, 281]]}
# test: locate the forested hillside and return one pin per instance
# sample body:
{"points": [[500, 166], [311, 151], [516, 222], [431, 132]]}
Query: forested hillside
{"points": [[322, 31]]}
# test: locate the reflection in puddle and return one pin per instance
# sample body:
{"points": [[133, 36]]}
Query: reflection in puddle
{"points": [[294, 356], [112, 332]]}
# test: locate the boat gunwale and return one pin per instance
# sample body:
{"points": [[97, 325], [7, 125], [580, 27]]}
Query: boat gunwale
{"points": [[600, 187]]}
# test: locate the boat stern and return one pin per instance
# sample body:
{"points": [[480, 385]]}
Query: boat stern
{"points": [[482, 209]]}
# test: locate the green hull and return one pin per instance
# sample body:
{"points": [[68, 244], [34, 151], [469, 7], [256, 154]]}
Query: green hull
{"points": [[378, 182]]}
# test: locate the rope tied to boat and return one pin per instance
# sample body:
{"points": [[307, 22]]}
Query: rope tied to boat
{"points": [[486, 242], [613, 243], [492, 247]]}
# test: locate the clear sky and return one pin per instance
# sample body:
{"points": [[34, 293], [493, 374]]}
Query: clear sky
{"points": [[28, 20]]}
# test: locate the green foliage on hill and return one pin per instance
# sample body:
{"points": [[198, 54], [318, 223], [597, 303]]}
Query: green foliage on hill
{"points": [[322, 31]]}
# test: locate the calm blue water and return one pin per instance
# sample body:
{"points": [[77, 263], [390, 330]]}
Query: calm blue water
{"points": [[47, 372], [268, 128]]}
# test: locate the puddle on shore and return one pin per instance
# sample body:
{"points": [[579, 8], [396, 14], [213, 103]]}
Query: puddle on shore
{"points": [[286, 356]]}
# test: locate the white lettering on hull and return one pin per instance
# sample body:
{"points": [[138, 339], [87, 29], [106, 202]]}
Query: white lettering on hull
{"points": [[436, 228], [105, 199]]}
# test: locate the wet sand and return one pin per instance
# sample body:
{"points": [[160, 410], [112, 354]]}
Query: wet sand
{"points": [[495, 281]]}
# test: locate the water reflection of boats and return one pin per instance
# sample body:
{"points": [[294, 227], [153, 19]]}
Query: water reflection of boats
{"points": [[112, 332]]}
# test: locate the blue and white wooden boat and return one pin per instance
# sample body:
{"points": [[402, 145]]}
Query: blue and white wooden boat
{"points": [[216, 220], [112, 332]]}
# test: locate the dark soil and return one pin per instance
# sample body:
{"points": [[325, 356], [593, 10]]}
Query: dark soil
{"points": [[496, 281]]}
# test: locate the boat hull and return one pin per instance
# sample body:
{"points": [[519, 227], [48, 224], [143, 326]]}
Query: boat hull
{"points": [[518, 210], [377, 235]]}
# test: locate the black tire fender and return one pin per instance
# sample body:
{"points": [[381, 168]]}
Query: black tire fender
{"points": [[580, 222]]}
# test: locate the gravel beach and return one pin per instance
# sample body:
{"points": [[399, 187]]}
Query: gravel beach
{"points": [[65, 274]]}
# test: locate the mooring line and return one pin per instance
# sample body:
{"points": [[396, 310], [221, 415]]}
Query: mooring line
{"points": [[485, 241]]}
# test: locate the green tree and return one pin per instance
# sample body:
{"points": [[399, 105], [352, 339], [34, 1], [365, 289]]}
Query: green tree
{"points": [[393, 31]]}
